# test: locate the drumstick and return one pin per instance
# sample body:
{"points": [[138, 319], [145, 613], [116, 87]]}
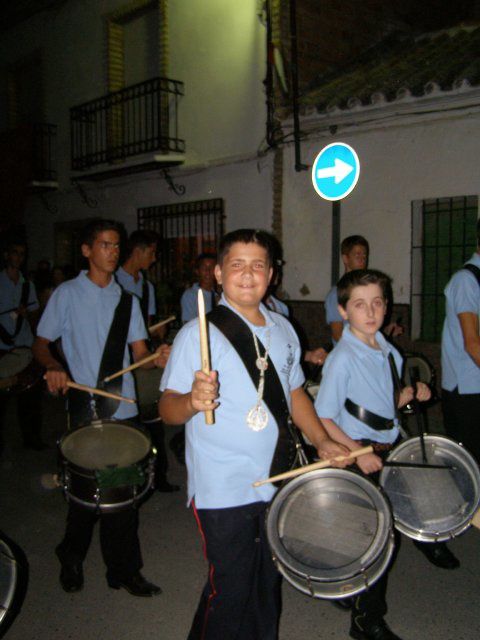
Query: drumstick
{"points": [[204, 355], [476, 519], [316, 465], [99, 392], [133, 366], [160, 324]]}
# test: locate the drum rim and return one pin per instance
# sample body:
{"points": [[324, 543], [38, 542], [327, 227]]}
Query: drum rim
{"points": [[7, 554], [99, 423], [378, 543], [424, 535]]}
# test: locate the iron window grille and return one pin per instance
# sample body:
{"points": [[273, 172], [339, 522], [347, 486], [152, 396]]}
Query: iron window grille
{"points": [[443, 238], [185, 230]]}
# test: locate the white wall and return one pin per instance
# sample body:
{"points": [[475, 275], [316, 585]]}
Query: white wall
{"points": [[414, 161], [217, 48]]}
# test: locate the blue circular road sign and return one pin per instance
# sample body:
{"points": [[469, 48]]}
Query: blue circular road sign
{"points": [[335, 171]]}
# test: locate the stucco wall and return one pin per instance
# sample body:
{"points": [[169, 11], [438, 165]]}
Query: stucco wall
{"points": [[408, 161]]}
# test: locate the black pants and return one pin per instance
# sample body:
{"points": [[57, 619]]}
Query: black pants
{"points": [[157, 434], [118, 539], [241, 599], [29, 414], [461, 415]]}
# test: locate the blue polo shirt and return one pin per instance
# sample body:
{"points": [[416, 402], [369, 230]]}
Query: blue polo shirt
{"points": [[10, 296], [81, 313], [224, 459], [356, 371], [127, 281], [462, 295], [277, 305], [188, 302]]}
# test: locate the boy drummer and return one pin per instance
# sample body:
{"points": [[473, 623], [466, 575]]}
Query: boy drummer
{"points": [[242, 596], [355, 403]]}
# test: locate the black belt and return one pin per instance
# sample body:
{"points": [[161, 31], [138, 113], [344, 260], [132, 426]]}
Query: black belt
{"points": [[374, 421]]}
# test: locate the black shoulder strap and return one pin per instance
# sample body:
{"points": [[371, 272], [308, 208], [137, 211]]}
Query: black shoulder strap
{"points": [[473, 269], [79, 403], [239, 335]]}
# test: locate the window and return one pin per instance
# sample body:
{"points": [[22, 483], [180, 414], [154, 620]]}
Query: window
{"points": [[185, 230], [443, 238]]}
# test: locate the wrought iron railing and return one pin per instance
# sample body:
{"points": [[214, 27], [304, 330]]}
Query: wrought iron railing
{"points": [[136, 120]]}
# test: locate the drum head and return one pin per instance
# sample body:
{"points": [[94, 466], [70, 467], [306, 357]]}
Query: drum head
{"points": [[418, 364], [328, 524], [101, 445], [432, 504]]}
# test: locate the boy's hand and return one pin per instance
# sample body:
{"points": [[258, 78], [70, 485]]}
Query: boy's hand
{"points": [[406, 396], [328, 449], [369, 463], [316, 356], [423, 392], [204, 391], [56, 378], [163, 354]]}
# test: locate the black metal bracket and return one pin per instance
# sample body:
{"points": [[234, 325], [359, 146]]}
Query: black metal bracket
{"points": [[178, 189], [90, 202], [51, 208]]}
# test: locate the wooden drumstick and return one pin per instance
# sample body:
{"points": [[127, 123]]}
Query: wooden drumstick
{"points": [[160, 324], [204, 355], [133, 366], [316, 465], [99, 392]]}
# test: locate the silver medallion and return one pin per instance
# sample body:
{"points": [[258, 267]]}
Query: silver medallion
{"points": [[257, 418]]}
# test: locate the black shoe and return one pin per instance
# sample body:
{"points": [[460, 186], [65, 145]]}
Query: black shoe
{"points": [[378, 631], [71, 574], [136, 586], [345, 604], [438, 554], [165, 487]]}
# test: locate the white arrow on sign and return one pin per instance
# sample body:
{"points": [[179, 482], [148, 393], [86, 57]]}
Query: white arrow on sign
{"points": [[340, 171]]}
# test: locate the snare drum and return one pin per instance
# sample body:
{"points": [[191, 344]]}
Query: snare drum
{"points": [[415, 362], [330, 532], [106, 465], [8, 582], [432, 505], [18, 370]]}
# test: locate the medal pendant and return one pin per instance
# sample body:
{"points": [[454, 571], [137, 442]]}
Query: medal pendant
{"points": [[257, 418], [261, 364]]}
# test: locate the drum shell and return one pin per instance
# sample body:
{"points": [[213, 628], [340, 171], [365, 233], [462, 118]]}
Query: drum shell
{"points": [[80, 483], [432, 505], [19, 379], [342, 580]]}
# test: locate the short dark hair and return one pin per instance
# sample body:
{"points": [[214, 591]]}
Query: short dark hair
{"points": [[15, 241], [91, 230], [352, 241], [247, 236], [142, 238], [206, 255], [361, 278]]}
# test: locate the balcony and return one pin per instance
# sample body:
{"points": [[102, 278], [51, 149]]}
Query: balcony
{"points": [[127, 131]]}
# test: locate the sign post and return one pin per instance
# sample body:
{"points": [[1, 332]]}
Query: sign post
{"points": [[335, 173]]}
